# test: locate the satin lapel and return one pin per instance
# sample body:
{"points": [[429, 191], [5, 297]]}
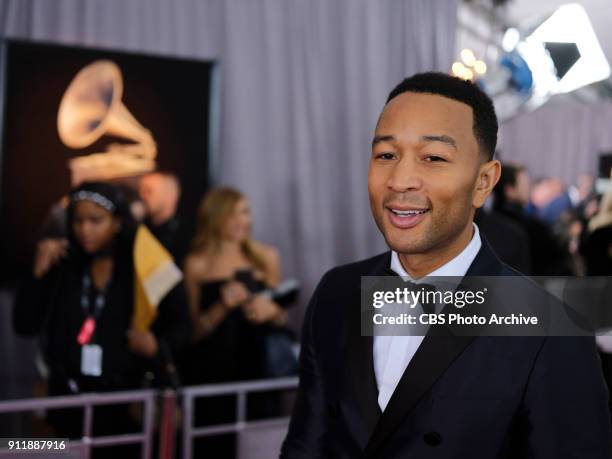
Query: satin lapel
{"points": [[433, 357], [361, 356]]}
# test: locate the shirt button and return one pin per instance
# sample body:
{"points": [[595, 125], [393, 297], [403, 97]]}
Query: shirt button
{"points": [[432, 438]]}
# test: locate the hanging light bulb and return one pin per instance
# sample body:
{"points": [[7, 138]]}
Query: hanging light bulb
{"points": [[458, 68], [468, 57], [480, 67]]}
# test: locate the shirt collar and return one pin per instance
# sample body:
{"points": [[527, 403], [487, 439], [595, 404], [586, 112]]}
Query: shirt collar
{"points": [[458, 266]]}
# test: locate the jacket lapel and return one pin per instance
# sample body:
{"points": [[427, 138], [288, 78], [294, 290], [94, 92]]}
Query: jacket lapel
{"points": [[433, 357], [361, 359]]}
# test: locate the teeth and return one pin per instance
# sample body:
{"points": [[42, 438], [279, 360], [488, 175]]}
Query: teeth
{"points": [[408, 212]]}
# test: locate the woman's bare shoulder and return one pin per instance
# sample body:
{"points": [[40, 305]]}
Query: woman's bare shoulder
{"points": [[268, 253], [197, 263]]}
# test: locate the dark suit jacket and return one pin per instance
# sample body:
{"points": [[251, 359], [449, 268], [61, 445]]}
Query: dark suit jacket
{"points": [[460, 397], [507, 238]]}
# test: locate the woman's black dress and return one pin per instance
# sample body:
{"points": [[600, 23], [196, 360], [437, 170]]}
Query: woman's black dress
{"points": [[234, 351]]}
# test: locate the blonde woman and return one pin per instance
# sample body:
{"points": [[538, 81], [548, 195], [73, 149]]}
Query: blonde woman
{"points": [[224, 272]]}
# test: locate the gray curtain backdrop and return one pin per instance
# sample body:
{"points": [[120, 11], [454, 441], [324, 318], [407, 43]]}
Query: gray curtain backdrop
{"points": [[563, 138], [302, 84]]}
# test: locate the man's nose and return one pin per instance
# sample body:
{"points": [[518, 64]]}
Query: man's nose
{"points": [[405, 176]]}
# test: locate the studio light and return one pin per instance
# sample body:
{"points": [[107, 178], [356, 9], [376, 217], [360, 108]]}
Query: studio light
{"points": [[511, 38], [559, 55], [570, 41]]}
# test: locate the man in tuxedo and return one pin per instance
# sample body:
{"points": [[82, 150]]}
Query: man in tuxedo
{"points": [[447, 396]]}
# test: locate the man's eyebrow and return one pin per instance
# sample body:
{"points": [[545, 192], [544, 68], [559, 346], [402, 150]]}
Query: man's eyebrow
{"points": [[440, 138], [382, 138]]}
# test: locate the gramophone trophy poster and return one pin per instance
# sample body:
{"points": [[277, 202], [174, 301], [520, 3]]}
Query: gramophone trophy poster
{"points": [[74, 114]]}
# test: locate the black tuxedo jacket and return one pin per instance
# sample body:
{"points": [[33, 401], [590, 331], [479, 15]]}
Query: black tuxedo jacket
{"points": [[460, 397]]}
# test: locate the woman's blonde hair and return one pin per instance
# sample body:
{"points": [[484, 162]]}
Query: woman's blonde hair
{"points": [[215, 208]]}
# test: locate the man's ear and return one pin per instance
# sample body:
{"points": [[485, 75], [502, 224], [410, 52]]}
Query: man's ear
{"points": [[488, 176]]}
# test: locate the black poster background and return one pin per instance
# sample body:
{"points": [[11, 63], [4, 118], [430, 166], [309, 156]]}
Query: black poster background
{"points": [[170, 97]]}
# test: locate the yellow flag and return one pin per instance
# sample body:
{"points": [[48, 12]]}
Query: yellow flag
{"points": [[155, 274]]}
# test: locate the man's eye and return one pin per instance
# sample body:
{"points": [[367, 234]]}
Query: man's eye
{"points": [[385, 156], [434, 159]]}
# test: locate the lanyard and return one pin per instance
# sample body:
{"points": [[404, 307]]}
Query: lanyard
{"points": [[99, 302], [89, 324]]}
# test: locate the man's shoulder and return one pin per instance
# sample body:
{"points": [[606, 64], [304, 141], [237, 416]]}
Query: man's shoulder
{"points": [[338, 292], [346, 279], [517, 279], [508, 270]]}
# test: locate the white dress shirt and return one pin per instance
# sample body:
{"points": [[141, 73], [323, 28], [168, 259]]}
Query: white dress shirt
{"points": [[392, 354]]}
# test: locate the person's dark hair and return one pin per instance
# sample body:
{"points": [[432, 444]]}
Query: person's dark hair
{"points": [[485, 121], [508, 177], [112, 198]]}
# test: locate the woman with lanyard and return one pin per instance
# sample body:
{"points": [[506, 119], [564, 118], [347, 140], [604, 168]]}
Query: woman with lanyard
{"points": [[81, 301]]}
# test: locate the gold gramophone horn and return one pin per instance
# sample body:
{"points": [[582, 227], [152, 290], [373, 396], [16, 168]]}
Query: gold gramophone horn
{"points": [[92, 107]]}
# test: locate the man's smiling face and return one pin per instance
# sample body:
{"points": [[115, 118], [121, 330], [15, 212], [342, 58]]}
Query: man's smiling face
{"points": [[424, 172]]}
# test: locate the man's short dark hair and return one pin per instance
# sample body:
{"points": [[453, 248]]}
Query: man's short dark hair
{"points": [[484, 123], [509, 174], [508, 178]]}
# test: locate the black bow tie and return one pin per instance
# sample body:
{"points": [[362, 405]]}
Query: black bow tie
{"points": [[428, 308]]}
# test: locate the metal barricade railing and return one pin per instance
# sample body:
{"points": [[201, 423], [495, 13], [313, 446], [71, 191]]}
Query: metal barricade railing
{"points": [[87, 402], [241, 389], [148, 398]]}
